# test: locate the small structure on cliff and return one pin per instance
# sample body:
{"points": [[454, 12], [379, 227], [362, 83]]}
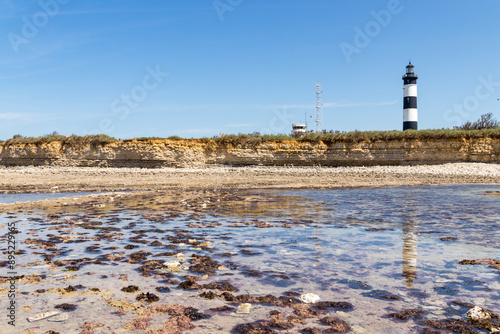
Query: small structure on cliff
{"points": [[299, 129], [410, 112]]}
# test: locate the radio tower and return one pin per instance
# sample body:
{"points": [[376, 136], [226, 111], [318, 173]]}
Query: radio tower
{"points": [[319, 104]]}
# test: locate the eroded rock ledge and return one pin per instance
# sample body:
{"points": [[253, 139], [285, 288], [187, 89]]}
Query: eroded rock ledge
{"points": [[195, 152]]}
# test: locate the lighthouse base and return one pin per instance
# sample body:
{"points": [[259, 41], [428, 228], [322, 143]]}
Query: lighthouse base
{"points": [[410, 126]]}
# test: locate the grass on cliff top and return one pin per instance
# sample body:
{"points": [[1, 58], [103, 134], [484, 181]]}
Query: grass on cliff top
{"points": [[153, 138], [372, 136], [360, 136], [255, 139], [93, 140]]}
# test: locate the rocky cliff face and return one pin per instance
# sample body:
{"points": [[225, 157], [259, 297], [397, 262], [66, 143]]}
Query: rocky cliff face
{"points": [[186, 153]]}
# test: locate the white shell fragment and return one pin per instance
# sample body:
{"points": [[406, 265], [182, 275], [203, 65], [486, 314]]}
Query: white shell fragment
{"points": [[477, 313], [43, 316], [309, 298], [244, 308], [59, 318], [171, 264]]}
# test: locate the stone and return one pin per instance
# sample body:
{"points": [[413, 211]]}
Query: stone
{"points": [[477, 313], [171, 264], [309, 298], [244, 308]]}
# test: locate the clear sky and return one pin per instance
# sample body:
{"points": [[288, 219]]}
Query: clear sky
{"points": [[200, 68]]}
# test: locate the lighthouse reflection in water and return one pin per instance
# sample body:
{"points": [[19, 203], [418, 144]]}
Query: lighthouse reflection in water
{"points": [[410, 246]]}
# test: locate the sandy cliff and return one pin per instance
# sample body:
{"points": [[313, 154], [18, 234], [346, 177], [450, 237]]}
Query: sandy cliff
{"points": [[183, 153]]}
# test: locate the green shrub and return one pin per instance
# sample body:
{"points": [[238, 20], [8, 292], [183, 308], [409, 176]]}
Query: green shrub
{"points": [[252, 139], [153, 138], [486, 121], [373, 136], [278, 138], [256, 139], [93, 140]]}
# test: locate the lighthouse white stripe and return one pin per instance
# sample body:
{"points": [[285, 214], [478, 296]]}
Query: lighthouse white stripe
{"points": [[410, 115], [410, 90]]}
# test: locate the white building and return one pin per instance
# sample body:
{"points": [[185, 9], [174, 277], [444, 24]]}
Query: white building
{"points": [[299, 129]]}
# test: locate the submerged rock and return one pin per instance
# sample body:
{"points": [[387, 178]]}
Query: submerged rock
{"points": [[456, 326], [147, 297], [66, 306], [407, 314], [162, 289], [221, 309], [70, 288], [336, 305], [208, 295], [492, 263], [337, 325], [254, 328], [203, 265], [130, 288]]}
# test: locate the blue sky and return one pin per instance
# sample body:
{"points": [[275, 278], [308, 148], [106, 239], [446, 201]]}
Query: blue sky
{"points": [[200, 68]]}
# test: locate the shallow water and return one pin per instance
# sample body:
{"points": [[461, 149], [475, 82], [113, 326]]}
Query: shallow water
{"points": [[357, 246], [32, 197]]}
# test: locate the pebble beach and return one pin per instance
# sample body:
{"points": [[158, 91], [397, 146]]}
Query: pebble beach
{"points": [[71, 179]]}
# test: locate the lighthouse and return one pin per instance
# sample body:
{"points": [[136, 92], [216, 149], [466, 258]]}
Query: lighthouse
{"points": [[410, 113]]}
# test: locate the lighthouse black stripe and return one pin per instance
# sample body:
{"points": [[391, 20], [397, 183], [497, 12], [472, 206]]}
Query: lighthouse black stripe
{"points": [[410, 126], [410, 102], [410, 80]]}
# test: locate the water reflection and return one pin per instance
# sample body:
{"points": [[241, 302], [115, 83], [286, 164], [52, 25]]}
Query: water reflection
{"points": [[32, 197], [342, 245], [410, 246]]}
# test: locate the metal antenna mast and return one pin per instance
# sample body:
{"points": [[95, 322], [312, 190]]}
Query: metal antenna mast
{"points": [[318, 120]]}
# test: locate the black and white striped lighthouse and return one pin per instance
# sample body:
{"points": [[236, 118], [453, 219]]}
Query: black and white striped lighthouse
{"points": [[410, 113]]}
